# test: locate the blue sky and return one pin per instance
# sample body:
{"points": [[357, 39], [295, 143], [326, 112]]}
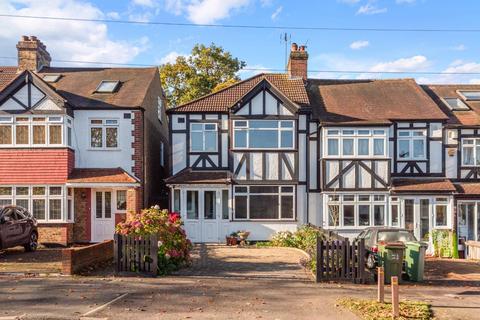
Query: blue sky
{"points": [[329, 50]]}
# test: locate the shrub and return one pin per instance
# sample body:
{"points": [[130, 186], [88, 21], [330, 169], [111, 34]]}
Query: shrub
{"points": [[173, 245]]}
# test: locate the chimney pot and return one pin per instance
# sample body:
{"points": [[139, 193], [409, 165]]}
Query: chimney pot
{"points": [[298, 61], [32, 54], [302, 48], [24, 38], [33, 38], [294, 47]]}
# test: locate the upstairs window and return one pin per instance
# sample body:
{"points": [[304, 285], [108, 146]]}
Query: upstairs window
{"points": [[203, 137], [108, 86], [264, 134], [411, 144], [470, 95], [456, 104], [31, 131], [103, 133], [471, 152], [360, 143]]}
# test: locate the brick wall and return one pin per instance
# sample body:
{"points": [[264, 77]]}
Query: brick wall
{"points": [[55, 233], [77, 259], [138, 168], [35, 166], [83, 217], [134, 203]]}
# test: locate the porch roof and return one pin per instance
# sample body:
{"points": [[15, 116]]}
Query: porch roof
{"points": [[423, 186], [468, 189], [189, 176], [101, 177]]}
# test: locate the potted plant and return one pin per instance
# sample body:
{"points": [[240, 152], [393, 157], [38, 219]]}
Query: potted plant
{"points": [[232, 239], [243, 236]]}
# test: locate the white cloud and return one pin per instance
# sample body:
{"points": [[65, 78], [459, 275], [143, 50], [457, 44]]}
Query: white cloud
{"points": [[457, 66], [171, 57], [475, 81], [277, 13], [402, 65], [266, 3], [405, 1], [145, 3], [254, 69], [460, 47], [360, 44], [370, 9], [205, 11], [82, 41], [113, 15], [349, 1]]}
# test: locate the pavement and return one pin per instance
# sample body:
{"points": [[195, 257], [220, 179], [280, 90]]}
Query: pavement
{"points": [[223, 283]]}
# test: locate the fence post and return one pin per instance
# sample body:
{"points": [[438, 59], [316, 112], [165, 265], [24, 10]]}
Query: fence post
{"points": [[395, 298], [319, 257], [115, 252], [154, 253], [361, 255], [381, 285]]}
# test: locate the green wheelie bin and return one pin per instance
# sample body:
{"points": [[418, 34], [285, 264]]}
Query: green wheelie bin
{"points": [[415, 260], [390, 257]]}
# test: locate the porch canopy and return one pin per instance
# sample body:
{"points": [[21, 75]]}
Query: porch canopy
{"points": [[423, 186], [101, 178], [468, 189], [189, 176]]}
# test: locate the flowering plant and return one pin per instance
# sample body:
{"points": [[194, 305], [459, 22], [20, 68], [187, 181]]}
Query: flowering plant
{"points": [[173, 245]]}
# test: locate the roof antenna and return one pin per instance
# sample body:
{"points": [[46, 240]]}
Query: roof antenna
{"points": [[286, 38]]}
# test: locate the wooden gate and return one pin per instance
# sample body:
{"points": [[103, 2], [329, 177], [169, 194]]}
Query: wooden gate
{"points": [[136, 254], [341, 260]]}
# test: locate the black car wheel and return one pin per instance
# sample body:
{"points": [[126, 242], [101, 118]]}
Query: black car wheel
{"points": [[32, 243], [371, 261]]}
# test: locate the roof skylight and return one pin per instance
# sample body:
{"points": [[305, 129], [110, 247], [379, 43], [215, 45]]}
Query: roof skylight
{"points": [[470, 95], [107, 86], [51, 78], [456, 104]]}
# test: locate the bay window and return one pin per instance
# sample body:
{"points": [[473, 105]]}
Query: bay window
{"points": [[471, 152], [203, 137], [411, 144], [352, 211], [31, 131], [264, 203], [103, 133], [361, 143], [264, 134]]}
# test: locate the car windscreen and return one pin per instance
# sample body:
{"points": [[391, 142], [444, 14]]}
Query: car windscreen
{"points": [[395, 235]]}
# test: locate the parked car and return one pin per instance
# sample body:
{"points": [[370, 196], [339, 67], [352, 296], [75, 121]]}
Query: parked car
{"points": [[18, 227], [375, 235]]}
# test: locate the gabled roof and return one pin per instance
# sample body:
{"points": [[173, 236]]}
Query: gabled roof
{"points": [[7, 74], [78, 85], [370, 101], [464, 118], [223, 100]]}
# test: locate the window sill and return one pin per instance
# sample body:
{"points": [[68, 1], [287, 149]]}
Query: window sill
{"points": [[104, 149]]}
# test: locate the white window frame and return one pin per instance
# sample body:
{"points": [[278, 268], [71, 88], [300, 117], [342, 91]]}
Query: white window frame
{"points": [[202, 132], [279, 194], [443, 202], [411, 138], [279, 129], [462, 94], [115, 201], [476, 157], [341, 133], [340, 200], [103, 126], [50, 120]]}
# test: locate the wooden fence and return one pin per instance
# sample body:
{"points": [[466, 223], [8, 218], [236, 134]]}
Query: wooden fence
{"points": [[136, 254], [341, 260], [473, 250]]}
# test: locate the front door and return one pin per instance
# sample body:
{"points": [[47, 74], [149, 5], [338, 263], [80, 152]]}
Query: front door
{"points": [[103, 221], [417, 213], [202, 215], [466, 221]]}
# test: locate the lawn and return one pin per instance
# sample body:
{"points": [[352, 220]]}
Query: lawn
{"points": [[373, 310]]}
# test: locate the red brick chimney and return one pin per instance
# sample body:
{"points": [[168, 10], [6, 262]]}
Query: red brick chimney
{"points": [[297, 64], [32, 54]]}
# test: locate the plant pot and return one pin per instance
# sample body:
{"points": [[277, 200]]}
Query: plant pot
{"points": [[231, 241], [243, 235]]}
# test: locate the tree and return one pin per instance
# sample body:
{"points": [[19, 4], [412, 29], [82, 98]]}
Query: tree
{"points": [[206, 69]]}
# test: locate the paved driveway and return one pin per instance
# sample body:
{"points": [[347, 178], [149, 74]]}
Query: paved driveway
{"points": [[247, 262]]}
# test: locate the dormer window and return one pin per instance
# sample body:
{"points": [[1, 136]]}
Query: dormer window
{"points": [[455, 104], [51, 78], [107, 86], [470, 95]]}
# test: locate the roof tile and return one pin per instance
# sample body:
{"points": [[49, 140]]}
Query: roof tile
{"points": [[100, 175]]}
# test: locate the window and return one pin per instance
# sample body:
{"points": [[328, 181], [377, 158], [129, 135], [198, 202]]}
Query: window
{"points": [[103, 204], [209, 205], [70, 204], [121, 200], [441, 205], [356, 143], [177, 201], [192, 205], [470, 95], [395, 212], [264, 203], [225, 204], [411, 144], [353, 211], [455, 104], [103, 133], [264, 134], [203, 137], [471, 152], [31, 131], [107, 86]]}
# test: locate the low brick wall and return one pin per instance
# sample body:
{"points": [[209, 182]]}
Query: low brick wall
{"points": [[76, 259], [55, 233]]}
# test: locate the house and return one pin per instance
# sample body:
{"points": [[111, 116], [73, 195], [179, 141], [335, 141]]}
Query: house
{"points": [[276, 151], [80, 147]]}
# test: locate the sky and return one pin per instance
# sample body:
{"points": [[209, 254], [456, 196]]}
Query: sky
{"points": [[260, 48]]}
